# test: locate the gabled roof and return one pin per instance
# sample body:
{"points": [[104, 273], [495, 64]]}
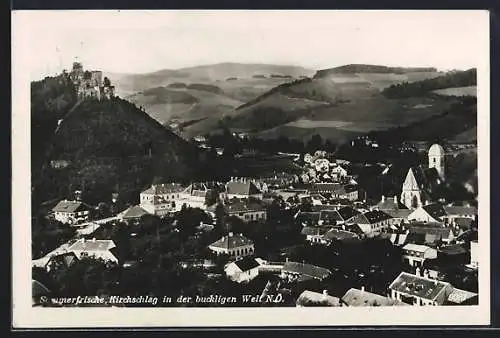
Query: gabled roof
{"points": [[422, 287], [70, 206], [422, 178], [308, 270], [435, 210], [347, 212], [416, 247], [398, 239], [92, 245], [246, 263], [314, 231], [65, 259], [311, 298], [232, 241], [133, 212], [371, 217], [399, 213], [431, 229], [458, 210], [388, 204], [463, 223], [242, 188], [304, 216], [330, 215], [459, 296], [356, 297], [164, 188], [243, 206]]}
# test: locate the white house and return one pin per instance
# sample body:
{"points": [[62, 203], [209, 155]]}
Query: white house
{"points": [[97, 249], [246, 211], [71, 212], [372, 222], [312, 298], [242, 270], [417, 290], [160, 199], [417, 254], [235, 246]]}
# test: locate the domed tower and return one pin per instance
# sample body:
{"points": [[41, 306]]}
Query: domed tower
{"points": [[436, 159]]}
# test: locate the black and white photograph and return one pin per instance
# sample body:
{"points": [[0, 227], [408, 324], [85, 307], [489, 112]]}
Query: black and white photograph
{"points": [[247, 168]]}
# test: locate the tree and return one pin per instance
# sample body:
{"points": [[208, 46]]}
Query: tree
{"points": [[315, 143], [107, 82]]}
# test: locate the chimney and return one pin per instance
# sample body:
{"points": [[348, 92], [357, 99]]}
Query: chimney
{"points": [[93, 240], [395, 199], [426, 273], [286, 260], [363, 288], [417, 271], [230, 234], [383, 198]]}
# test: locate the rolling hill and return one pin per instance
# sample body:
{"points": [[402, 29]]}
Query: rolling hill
{"points": [[343, 102], [243, 75], [99, 146]]}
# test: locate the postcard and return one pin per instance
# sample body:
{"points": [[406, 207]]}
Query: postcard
{"points": [[189, 168]]}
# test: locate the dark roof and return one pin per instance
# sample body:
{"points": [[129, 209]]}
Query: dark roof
{"points": [[246, 263], [330, 215], [92, 245], [65, 259], [314, 231], [347, 212], [430, 231], [435, 210], [454, 249], [232, 241], [388, 204], [356, 297], [308, 216], [398, 213], [324, 187], [164, 188], [70, 206], [371, 217], [243, 206], [414, 285], [242, 188], [306, 269]]}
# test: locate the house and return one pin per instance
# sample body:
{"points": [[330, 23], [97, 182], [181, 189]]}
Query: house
{"points": [[428, 213], [71, 212], [394, 208], [356, 297], [97, 249], [336, 190], [398, 239], [242, 188], [235, 246], [298, 272], [132, 214], [429, 234], [242, 270], [372, 222], [462, 297], [459, 213], [247, 211], [161, 199], [311, 298], [417, 254], [417, 290], [314, 234]]}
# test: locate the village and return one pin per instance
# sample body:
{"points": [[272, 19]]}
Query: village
{"points": [[313, 238]]}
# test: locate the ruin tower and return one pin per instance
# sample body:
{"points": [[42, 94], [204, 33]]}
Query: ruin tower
{"points": [[437, 159]]}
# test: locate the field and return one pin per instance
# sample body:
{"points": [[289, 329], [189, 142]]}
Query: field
{"points": [[459, 91]]}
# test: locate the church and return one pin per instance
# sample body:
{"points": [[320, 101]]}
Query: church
{"points": [[421, 182]]}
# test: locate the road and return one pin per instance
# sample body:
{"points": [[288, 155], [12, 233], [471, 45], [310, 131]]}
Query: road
{"points": [[91, 226]]}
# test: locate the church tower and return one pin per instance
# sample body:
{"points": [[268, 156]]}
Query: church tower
{"points": [[436, 159], [411, 195]]}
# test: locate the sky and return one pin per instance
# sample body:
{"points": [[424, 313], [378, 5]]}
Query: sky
{"points": [[146, 41]]}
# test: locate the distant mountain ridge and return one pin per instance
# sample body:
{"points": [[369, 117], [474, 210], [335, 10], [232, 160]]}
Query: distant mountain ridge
{"points": [[366, 68]]}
